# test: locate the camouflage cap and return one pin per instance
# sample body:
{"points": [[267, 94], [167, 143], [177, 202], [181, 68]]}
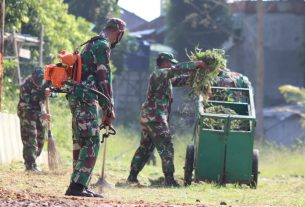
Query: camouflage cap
{"points": [[38, 72], [116, 23], [166, 56], [38, 75]]}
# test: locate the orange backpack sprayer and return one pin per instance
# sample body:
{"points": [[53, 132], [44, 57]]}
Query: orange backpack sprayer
{"points": [[69, 72], [70, 68]]}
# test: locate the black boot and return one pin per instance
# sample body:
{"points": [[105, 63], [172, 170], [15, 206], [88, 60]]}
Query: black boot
{"points": [[76, 189], [169, 180], [36, 168], [28, 166], [132, 178], [32, 167], [93, 193]]}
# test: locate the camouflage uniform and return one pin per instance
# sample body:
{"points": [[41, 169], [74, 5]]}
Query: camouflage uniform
{"points": [[84, 109], [154, 117], [228, 78], [29, 109]]}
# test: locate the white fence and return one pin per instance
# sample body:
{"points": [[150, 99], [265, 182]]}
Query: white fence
{"points": [[10, 141]]}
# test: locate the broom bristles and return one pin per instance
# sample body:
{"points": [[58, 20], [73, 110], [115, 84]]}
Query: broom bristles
{"points": [[54, 160]]}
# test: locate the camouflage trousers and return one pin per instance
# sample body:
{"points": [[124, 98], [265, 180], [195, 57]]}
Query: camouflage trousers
{"points": [[33, 135], [86, 139], [154, 135]]}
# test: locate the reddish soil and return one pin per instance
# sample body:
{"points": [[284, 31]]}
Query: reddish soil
{"points": [[22, 199]]}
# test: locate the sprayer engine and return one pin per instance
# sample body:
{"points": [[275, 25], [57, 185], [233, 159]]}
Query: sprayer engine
{"points": [[69, 68]]}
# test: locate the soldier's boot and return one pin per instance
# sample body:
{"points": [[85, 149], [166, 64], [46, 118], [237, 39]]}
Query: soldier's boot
{"points": [[93, 193], [76, 189], [28, 166], [169, 180], [132, 178], [32, 167], [36, 168]]}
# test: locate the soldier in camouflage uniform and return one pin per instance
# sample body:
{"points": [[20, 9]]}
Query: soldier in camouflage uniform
{"points": [[96, 74], [155, 114], [33, 117], [228, 78]]}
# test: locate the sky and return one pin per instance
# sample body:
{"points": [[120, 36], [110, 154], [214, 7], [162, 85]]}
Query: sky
{"points": [[146, 9]]}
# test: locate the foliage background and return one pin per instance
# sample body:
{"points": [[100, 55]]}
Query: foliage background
{"points": [[206, 21]]}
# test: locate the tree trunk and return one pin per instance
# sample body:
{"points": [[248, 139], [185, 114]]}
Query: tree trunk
{"points": [[2, 10], [260, 74]]}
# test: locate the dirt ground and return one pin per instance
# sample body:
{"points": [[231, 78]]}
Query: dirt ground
{"points": [[22, 199]]}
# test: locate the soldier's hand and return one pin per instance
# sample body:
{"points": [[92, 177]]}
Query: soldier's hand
{"points": [[47, 92], [107, 119], [45, 117], [202, 65]]}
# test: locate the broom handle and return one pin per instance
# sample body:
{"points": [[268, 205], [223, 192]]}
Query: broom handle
{"points": [[48, 111], [104, 154]]}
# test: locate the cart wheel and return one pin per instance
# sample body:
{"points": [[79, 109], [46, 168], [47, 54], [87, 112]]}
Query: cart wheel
{"points": [[253, 183], [188, 167]]}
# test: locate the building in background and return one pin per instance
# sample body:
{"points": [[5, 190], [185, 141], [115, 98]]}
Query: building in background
{"points": [[131, 19], [284, 32], [130, 86], [283, 125], [284, 35]]}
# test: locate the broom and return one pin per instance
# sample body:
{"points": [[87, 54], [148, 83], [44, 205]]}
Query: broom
{"points": [[53, 155]]}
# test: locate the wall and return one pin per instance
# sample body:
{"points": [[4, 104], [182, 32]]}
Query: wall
{"points": [[284, 132], [284, 34]]}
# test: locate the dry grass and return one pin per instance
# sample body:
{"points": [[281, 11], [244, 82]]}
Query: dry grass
{"points": [[281, 180]]}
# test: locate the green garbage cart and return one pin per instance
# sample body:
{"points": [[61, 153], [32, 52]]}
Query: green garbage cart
{"points": [[224, 155]]}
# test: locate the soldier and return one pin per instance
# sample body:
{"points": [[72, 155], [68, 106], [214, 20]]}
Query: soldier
{"points": [[228, 78], [33, 117], [96, 74], [155, 113]]}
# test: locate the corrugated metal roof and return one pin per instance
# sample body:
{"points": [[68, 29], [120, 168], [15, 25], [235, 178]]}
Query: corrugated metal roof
{"points": [[22, 38]]}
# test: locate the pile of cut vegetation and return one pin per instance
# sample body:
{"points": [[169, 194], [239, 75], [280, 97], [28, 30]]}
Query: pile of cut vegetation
{"points": [[201, 82], [219, 124]]}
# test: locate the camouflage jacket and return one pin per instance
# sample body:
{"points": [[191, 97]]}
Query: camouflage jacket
{"points": [[159, 93], [94, 54], [31, 97], [228, 78]]}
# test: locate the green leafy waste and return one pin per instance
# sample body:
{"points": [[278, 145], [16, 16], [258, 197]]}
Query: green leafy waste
{"points": [[201, 82], [219, 123]]}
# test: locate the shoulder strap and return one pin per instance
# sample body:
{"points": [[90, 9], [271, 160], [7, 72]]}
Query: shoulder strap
{"points": [[92, 40]]}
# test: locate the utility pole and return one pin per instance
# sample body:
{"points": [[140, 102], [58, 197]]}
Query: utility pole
{"points": [[41, 46], [2, 17], [16, 51], [260, 70]]}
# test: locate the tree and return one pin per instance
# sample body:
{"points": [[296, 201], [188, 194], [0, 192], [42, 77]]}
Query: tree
{"points": [[260, 71], [96, 11], [2, 5], [62, 30], [206, 23]]}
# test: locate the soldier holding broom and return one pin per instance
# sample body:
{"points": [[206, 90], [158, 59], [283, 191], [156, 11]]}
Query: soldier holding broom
{"points": [[33, 117]]}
